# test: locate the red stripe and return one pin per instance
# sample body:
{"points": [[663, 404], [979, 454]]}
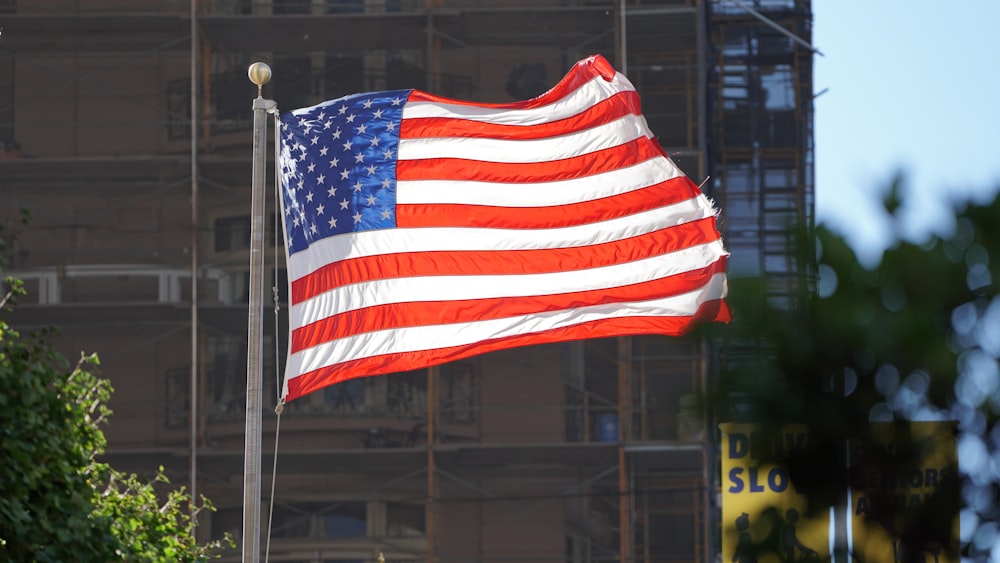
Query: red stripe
{"points": [[581, 73], [444, 263], [605, 160], [306, 383], [400, 315], [605, 111], [585, 212]]}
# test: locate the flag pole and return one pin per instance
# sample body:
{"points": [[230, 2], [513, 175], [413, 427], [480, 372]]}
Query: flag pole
{"points": [[259, 74]]}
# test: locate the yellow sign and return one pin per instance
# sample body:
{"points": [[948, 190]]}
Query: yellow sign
{"points": [[760, 503], [871, 543]]}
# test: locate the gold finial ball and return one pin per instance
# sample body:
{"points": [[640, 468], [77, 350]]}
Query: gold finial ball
{"points": [[259, 73]]}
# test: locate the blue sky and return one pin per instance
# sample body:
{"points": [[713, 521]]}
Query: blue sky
{"points": [[913, 87]]}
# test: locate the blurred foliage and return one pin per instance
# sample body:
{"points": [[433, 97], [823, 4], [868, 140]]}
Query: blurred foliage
{"points": [[11, 287], [916, 337], [59, 502]]}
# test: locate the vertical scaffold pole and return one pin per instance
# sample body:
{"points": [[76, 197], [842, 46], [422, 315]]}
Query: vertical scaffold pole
{"points": [[194, 258], [432, 483], [625, 533]]}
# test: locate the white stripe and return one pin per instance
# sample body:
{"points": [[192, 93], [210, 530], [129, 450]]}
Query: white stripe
{"points": [[389, 241], [562, 192], [462, 287], [590, 93], [413, 339], [618, 132]]}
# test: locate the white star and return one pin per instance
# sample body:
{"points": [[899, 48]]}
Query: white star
{"points": [[371, 169], [357, 217], [391, 126], [357, 186], [334, 162], [312, 166], [313, 228], [302, 121], [370, 199], [347, 145], [319, 209], [388, 153], [309, 197], [322, 151], [336, 134], [362, 128], [368, 104], [288, 211], [321, 116], [386, 183], [301, 183], [332, 191], [328, 124], [320, 179], [360, 157], [342, 110], [386, 213], [333, 222], [350, 118], [344, 173], [397, 101], [295, 221], [315, 139], [377, 114], [344, 203], [374, 141]]}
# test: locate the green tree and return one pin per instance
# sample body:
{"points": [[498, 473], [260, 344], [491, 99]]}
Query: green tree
{"points": [[59, 502], [915, 337]]}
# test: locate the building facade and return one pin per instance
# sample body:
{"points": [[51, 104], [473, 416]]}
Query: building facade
{"points": [[126, 130]]}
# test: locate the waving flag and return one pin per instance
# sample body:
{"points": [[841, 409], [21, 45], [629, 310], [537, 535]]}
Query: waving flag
{"points": [[421, 230]]}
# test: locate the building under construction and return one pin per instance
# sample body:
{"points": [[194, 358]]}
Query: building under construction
{"points": [[126, 131]]}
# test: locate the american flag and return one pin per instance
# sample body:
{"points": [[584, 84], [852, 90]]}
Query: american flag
{"points": [[422, 230]]}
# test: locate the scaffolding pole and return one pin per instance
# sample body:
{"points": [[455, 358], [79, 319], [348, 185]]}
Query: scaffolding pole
{"points": [[194, 259], [624, 435], [432, 484]]}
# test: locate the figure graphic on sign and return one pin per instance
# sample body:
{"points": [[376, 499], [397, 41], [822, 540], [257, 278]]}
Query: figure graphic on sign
{"points": [[744, 546], [790, 541]]}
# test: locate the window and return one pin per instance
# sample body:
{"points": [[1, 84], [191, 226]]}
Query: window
{"points": [[404, 519], [332, 522], [779, 87], [398, 395], [226, 115], [345, 397], [232, 233], [320, 520], [227, 520], [224, 374]]}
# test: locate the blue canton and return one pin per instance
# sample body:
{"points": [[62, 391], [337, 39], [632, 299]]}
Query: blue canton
{"points": [[338, 166]]}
